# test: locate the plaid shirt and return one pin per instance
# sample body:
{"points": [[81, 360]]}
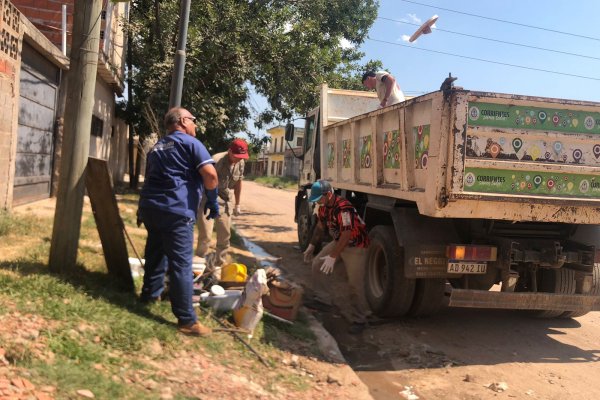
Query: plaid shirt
{"points": [[342, 216]]}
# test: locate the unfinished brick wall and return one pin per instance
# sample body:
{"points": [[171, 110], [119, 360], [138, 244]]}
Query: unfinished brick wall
{"points": [[10, 59], [46, 16]]}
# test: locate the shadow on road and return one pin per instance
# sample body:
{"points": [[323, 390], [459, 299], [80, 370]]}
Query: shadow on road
{"points": [[458, 337]]}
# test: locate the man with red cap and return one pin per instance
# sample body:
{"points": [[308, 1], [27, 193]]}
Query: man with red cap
{"points": [[230, 169]]}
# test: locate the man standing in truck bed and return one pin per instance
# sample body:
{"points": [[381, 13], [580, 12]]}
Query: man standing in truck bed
{"points": [[385, 85], [349, 247]]}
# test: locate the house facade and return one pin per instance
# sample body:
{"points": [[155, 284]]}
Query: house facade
{"points": [[275, 151], [33, 70], [282, 156], [30, 74]]}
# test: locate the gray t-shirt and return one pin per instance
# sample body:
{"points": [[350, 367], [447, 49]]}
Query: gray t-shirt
{"points": [[229, 174]]}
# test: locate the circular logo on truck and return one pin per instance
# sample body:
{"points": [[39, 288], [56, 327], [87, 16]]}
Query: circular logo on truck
{"points": [[469, 179], [589, 122], [474, 113]]}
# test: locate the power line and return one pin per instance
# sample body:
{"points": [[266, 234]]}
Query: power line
{"points": [[504, 21], [497, 40], [487, 61]]}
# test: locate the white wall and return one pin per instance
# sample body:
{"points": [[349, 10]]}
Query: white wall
{"points": [[104, 108]]}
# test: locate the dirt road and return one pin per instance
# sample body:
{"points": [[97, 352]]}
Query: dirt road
{"points": [[457, 354]]}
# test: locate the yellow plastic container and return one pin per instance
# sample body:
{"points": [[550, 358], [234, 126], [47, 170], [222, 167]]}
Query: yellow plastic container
{"points": [[234, 272]]}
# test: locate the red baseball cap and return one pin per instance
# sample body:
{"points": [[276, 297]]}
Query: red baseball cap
{"points": [[239, 148]]}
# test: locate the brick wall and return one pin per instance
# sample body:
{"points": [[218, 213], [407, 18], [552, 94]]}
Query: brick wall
{"points": [[46, 16]]}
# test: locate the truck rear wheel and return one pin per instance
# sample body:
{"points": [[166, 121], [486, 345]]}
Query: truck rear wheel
{"points": [[594, 292], [306, 225], [561, 281], [429, 294], [388, 292]]}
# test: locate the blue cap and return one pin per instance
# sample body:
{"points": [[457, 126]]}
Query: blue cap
{"points": [[318, 189]]}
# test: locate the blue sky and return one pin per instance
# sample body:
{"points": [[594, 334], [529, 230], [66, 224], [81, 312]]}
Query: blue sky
{"points": [[422, 71]]}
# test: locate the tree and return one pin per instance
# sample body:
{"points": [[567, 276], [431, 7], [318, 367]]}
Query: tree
{"points": [[284, 48]]}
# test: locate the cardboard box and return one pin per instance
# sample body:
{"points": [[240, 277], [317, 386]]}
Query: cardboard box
{"points": [[284, 299]]}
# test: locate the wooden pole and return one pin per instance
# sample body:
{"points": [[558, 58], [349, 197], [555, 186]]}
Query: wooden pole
{"points": [[76, 141]]}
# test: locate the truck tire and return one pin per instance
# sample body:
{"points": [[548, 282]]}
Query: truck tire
{"points": [[561, 281], [429, 296], [388, 292], [306, 225], [594, 292]]}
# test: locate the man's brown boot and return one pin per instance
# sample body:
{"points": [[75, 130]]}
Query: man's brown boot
{"points": [[195, 329]]}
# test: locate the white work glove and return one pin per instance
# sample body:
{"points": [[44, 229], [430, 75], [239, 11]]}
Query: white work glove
{"points": [[236, 210], [328, 263], [308, 253]]}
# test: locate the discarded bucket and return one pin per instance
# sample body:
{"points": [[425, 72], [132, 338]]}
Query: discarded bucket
{"points": [[234, 272], [225, 302], [247, 317], [198, 269], [136, 267]]}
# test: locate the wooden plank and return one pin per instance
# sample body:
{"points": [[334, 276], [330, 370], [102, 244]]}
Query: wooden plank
{"points": [[109, 223]]}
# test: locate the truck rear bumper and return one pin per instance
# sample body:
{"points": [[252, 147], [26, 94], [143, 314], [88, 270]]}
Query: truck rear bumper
{"points": [[523, 301]]}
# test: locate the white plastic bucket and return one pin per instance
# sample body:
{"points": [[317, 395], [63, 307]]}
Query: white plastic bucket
{"points": [[136, 267], [222, 303]]}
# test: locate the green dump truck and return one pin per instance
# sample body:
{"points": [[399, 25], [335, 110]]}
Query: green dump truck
{"points": [[474, 198]]}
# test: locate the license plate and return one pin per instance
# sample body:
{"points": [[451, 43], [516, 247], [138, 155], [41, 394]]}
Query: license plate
{"points": [[467, 267]]}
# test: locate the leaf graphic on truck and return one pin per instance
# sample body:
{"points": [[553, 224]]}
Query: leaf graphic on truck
{"points": [[330, 155], [346, 153], [391, 149], [421, 135], [365, 152]]}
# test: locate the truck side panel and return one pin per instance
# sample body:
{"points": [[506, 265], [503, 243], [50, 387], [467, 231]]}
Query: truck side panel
{"points": [[474, 155]]}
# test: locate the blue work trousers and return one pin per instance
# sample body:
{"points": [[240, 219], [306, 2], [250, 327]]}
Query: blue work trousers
{"points": [[169, 248]]}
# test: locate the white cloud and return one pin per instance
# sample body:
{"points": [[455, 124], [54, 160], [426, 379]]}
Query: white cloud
{"points": [[405, 38], [413, 18]]}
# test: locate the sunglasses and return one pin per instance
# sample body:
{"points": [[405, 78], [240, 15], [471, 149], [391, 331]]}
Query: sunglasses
{"points": [[192, 118]]}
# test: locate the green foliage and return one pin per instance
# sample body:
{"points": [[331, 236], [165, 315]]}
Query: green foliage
{"points": [[10, 224], [280, 182], [285, 49]]}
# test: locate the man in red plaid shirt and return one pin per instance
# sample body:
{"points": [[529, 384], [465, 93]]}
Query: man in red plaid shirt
{"points": [[348, 248]]}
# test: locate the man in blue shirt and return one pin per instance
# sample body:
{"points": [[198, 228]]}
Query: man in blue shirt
{"points": [[178, 170]]}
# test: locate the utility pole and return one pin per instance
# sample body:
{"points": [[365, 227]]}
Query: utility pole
{"points": [[179, 66], [76, 143]]}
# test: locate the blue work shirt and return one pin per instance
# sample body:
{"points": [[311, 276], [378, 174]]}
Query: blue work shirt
{"points": [[172, 182]]}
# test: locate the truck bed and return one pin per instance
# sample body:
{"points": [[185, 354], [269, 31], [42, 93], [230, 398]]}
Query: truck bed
{"points": [[466, 154]]}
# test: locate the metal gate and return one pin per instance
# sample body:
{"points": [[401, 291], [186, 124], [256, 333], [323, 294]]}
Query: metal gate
{"points": [[37, 110]]}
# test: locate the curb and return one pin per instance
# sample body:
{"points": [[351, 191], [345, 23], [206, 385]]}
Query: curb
{"points": [[325, 342]]}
